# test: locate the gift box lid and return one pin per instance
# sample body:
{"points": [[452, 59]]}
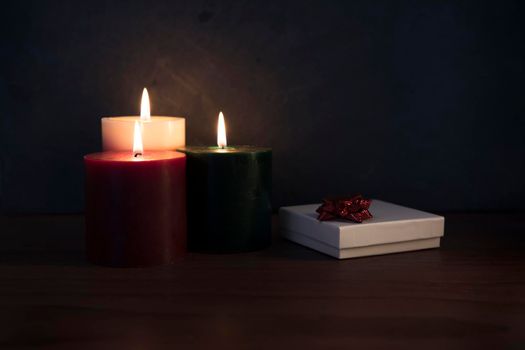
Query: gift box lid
{"points": [[390, 223]]}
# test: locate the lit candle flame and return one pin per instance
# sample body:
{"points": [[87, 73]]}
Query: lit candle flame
{"points": [[138, 149], [221, 132], [145, 113]]}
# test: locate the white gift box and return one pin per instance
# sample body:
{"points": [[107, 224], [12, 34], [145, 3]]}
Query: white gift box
{"points": [[392, 229]]}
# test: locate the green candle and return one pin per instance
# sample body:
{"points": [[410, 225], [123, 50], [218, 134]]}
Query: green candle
{"points": [[228, 197]]}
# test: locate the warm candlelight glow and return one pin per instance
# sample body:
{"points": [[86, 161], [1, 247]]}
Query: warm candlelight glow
{"points": [[221, 132], [138, 149], [145, 113]]}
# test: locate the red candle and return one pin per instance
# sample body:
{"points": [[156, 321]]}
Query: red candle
{"points": [[135, 208]]}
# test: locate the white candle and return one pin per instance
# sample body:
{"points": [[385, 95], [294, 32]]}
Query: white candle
{"points": [[158, 132]]}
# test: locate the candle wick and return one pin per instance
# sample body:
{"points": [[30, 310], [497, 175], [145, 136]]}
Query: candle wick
{"points": [[138, 154]]}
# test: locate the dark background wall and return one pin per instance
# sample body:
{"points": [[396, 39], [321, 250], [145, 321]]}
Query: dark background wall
{"points": [[416, 102]]}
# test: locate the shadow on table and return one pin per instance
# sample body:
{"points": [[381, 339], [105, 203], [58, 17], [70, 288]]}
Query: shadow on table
{"points": [[284, 249], [49, 258]]}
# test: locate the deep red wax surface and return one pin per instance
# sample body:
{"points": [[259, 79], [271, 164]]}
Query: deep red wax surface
{"points": [[135, 208]]}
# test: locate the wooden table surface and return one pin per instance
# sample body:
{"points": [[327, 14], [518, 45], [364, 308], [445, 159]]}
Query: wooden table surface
{"points": [[469, 294]]}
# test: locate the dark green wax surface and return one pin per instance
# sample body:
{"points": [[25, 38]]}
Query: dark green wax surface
{"points": [[228, 198]]}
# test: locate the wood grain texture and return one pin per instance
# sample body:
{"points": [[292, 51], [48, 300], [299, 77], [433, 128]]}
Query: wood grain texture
{"points": [[468, 294]]}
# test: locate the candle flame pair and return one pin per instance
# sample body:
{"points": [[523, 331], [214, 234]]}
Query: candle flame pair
{"points": [[145, 116]]}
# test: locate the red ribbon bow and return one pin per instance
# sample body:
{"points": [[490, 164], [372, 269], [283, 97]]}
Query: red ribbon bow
{"points": [[353, 208]]}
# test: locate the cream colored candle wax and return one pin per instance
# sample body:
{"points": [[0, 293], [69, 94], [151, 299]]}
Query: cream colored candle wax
{"points": [[158, 132]]}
